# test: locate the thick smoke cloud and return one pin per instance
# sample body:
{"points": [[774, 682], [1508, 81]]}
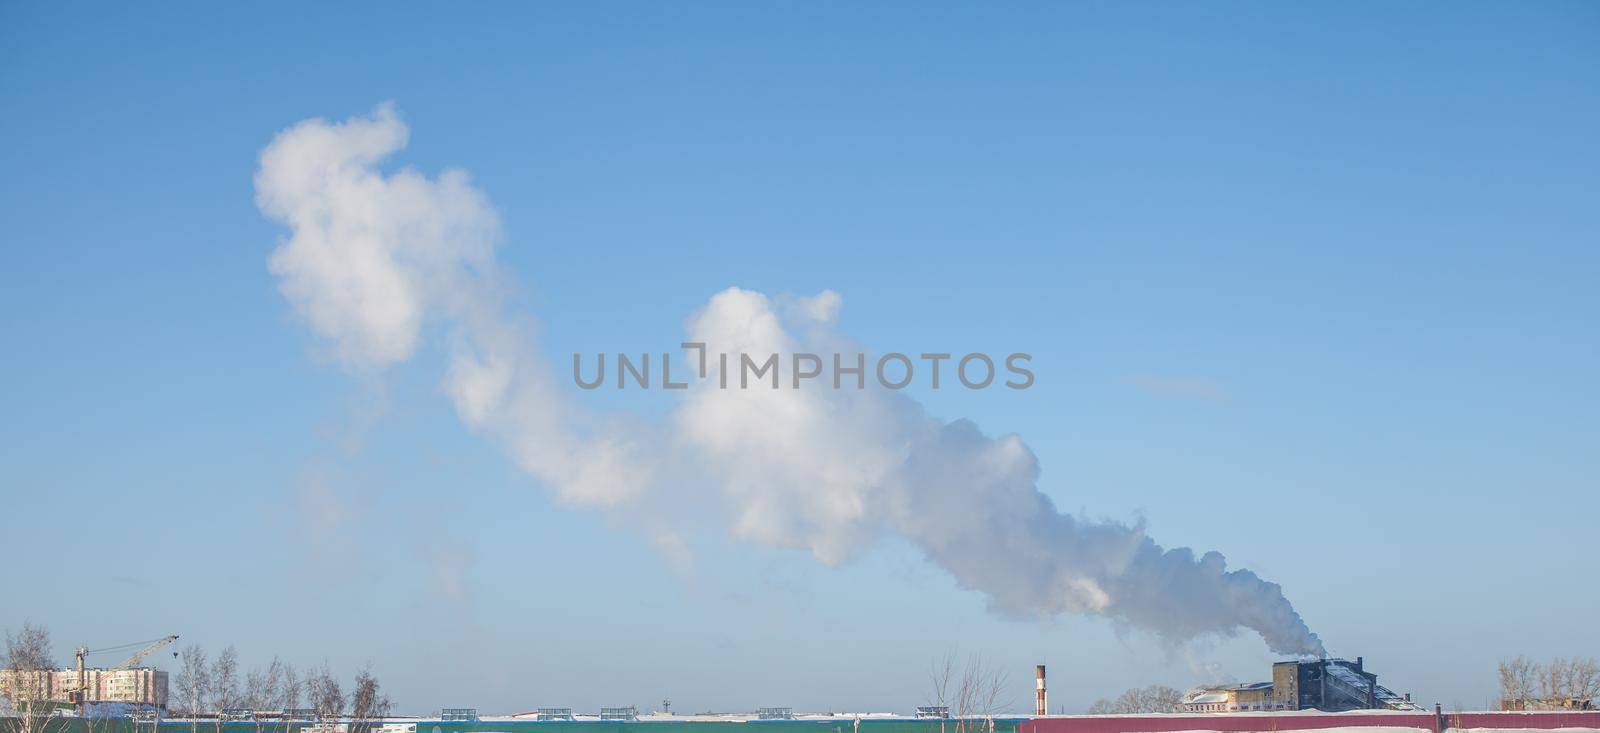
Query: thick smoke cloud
{"points": [[373, 258]]}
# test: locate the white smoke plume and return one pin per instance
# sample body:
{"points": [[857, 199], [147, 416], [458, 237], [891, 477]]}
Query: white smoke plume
{"points": [[373, 259]]}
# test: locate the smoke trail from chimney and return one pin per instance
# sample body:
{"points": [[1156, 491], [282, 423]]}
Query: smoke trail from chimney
{"points": [[372, 259]]}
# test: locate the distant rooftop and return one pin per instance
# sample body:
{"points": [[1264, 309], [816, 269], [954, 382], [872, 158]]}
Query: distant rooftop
{"points": [[1245, 686]]}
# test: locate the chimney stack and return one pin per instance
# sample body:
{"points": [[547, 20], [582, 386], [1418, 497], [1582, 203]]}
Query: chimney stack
{"points": [[1041, 705]]}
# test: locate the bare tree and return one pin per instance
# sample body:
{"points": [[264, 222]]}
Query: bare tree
{"points": [[1569, 682], [940, 675], [1553, 682], [194, 682], [325, 696], [1583, 680], [254, 694], [970, 690], [271, 685], [26, 683], [1517, 677], [260, 691], [1161, 699], [978, 696], [225, 680], [368, 705], [224, 685], [290, 690]]}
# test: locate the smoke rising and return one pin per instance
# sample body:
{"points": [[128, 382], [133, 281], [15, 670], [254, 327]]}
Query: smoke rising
{"points": [[372, 259]]}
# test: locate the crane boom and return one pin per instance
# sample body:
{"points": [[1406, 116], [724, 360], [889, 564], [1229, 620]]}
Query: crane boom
{"points": [[130, 661], [79, 694]]}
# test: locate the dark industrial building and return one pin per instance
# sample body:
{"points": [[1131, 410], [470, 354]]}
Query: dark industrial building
{"points": [[1334, 685]]}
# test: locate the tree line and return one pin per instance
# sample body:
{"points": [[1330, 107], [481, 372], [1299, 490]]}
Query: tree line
{"points": [[1151, 699], [205, 685], [1559, 684]]}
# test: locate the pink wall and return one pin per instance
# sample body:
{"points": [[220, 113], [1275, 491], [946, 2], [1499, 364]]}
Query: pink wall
{"points": [[1573, 719], [1257, 723]]}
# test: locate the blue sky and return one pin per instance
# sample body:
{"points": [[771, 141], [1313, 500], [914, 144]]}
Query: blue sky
{"points": [[1313, 286]]}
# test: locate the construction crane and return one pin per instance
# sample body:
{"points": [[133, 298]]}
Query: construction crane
{"points": [[154, 645], [80, 694]]}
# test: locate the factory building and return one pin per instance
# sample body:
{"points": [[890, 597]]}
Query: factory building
{"points": [[1332, 685], [1233, 699]]}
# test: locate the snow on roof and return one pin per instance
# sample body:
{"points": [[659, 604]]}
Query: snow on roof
{"points": [[1248, 686], [1348, 676]]}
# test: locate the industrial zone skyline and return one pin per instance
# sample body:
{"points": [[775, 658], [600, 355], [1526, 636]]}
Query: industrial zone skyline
{"points": [[1299, 296], [220, 687], [959, 688]]}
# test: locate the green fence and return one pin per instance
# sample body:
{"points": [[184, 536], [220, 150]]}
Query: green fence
{"points": [[839, 725]]}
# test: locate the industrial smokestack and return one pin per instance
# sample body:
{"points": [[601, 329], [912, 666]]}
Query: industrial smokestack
{"points": [[1041, 704]]}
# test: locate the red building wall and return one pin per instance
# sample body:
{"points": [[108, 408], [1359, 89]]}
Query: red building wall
{"points": [[1542, 719], [1271, 722]]}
